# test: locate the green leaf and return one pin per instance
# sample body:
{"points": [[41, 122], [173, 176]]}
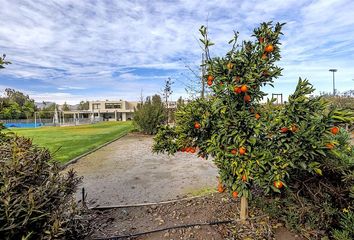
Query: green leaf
{"points": [[318, 171]]}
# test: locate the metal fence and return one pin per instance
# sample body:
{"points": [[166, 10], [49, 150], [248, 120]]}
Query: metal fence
{"points": [[39, 122]]}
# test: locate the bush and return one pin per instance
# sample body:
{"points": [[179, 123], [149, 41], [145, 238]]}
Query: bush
{"points": [[36, 201], [313, 204], [150, 115]]}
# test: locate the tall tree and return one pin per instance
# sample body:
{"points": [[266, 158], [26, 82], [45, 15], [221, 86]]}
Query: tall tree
{"points": [[16, 105], [167, 92], [3, 62], [150, 115], [65, 107], [83, 105]]}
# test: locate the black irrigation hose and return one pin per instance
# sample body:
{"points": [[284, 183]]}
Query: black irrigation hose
{"points": [[145, 204], [165, 229]]}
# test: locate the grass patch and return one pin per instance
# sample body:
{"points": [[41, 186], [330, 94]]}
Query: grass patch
{"points": [[201, 191], [66, 143]]}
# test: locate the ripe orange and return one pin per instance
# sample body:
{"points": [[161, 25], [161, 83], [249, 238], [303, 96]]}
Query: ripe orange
{"points": [[221, 189], [242, 150], [244, 178], [210, 78], [247, 98], [269, 48], [244, 88], [229, 66], [334, 130], [261, 39], [257, 116], [330, 145], [196, 125], [210, 83], [264, 56], [284, 130], [237, 90], [192, 150], [233, 151], [234, 194], [278, 184]]}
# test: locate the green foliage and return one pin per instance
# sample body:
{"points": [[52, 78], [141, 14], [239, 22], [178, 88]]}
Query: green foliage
{"points": [[150, 115], [3, 61], [47, 112], [16, 105], [312, 204], [65, 107], [83, 105], [165, 140], [261, 145], [346, 230], [36, 200]]}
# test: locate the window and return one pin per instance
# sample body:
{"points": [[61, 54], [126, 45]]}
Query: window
{"points": [[96, 105], [113, 105]]}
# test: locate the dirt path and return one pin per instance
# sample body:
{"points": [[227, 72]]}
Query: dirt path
{"points": [[126, 172]]}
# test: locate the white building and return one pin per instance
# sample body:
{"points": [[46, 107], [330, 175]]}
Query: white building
{"points": [[105, 110]]}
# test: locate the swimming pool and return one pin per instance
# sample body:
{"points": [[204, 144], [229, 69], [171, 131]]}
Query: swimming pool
{"points": [[23, 125]]}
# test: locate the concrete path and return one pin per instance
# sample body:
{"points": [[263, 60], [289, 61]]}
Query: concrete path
{"points": [[127, 172]]}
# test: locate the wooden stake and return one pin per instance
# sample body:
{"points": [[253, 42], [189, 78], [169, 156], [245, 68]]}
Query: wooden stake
{"points": [[244, 209]]}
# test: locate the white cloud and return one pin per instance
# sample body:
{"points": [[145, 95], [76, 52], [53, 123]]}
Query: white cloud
{"points": [[79, 45]]}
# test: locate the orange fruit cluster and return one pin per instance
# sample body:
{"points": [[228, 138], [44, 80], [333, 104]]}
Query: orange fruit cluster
{"points": [[189, 149]]}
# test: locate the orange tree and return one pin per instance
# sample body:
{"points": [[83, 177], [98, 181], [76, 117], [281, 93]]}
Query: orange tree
{"points": [[250, 143]]}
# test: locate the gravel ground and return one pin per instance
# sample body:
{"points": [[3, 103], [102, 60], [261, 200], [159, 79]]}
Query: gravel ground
{"points": [[127, 172]]}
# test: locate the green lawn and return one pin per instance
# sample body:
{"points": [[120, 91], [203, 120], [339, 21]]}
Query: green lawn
{"points": [[67, 143]]}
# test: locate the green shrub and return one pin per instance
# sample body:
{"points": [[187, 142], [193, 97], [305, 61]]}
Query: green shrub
{"points": [[150, 115], [313, 205], [36, 200], [346, 230]]}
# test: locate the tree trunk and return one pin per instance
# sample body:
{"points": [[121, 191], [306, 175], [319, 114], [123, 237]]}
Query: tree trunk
{"points": [[244, 209]]}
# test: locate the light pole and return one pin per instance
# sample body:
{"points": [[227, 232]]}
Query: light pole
{"points": [[334, 85]]}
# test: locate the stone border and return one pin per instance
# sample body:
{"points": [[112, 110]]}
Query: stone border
{"points": [[74, 160]]}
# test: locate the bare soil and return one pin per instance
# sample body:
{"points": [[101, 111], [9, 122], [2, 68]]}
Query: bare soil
{"points": [[115, 223], [127, 172]]}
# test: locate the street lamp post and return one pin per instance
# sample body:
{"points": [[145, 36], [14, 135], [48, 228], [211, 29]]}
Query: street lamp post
{"points": [[334, 85]]}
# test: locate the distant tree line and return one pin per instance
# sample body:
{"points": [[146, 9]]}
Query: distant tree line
{"points": [[343, 100], [16, 105]]}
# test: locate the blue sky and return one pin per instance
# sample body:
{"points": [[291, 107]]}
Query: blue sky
{"points": [[69, 50]]}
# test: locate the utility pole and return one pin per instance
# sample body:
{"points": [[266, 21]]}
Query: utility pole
{"points": [[334, 85]]}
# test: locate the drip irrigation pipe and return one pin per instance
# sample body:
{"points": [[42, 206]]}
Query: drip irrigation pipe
{"points": [[163, 229], [143, 204]]}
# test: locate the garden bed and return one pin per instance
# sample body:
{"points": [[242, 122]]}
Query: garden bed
{"points": [[211, 208]]}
